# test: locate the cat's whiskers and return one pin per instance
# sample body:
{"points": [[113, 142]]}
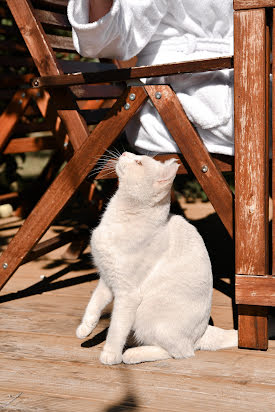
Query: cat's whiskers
{"points": [[105, 165]]}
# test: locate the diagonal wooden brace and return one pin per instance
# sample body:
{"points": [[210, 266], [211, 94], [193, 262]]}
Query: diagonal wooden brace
{"points": [[194, 151], [68, 181]]}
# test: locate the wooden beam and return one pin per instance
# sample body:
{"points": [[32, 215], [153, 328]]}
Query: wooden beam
{"points": [[255, 290], [251, 158], [252, 4], [195, 66], [194, 152], [253, 330]]}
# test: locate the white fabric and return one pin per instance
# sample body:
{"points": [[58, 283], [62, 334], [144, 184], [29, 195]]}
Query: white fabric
{"points": [[163, 31]]}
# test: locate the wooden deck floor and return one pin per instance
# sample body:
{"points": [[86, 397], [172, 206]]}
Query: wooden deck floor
{"points": [[44, 367]]}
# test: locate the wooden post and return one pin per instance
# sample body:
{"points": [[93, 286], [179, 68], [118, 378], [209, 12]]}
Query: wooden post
{"points": [[251, 158]]}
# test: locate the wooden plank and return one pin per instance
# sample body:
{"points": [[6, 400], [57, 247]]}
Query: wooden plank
{"points": [[255, 290], [53, 19], [273, 148], [251, 177], [194, 152], [33, 346], [67, 182], [9, 197], [251, 152], [250, 144], [97, 92], [135, 72], [61, 43], [252, 4], [30, 144], [10, 400], [253, 330], [143, 387], [12, 113]]}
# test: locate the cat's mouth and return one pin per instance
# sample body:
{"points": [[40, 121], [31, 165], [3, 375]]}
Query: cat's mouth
{"points": [[119, 170]]}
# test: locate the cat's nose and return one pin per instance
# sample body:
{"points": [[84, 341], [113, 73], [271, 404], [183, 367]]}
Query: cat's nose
{"points": [[124, 154]]}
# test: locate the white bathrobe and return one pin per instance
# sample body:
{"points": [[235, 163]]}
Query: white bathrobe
{"points": [[163, 31]]}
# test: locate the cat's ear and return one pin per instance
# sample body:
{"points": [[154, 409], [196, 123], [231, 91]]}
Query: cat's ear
{"points": [[170, 168]]}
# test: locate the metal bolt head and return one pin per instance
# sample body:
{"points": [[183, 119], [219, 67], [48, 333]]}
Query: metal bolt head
{"points": [[23, 94], [132, 96], [20, 101], [158, 95], [127, 106], [35, 83], [204, 169], [5, 265]]}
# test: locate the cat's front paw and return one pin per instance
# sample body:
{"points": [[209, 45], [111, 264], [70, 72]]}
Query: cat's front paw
{"points": [[85, 329], [110, 358]]}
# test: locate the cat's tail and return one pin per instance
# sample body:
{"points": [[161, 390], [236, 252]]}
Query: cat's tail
{"points": [[216, 338]]}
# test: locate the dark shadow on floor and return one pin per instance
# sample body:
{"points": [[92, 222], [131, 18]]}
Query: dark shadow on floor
{"points": [[49, 283]]}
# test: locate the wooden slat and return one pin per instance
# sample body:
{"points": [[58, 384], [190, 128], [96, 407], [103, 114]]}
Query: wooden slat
{"points": [[250, 143], [66, 183], [53, 19], [8, 197], [136, 72], [61, 43], [251, 151], [255, 290], [97, 92], [252, 4], [273, 147], [12, 113], [194, 152], [30, 144]]}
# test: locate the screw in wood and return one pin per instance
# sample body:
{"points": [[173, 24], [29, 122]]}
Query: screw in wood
{"points": [[5, 265], [158, 95], [132, 96], [35, 83], [127, 106], [20, 101], [204, 169]]}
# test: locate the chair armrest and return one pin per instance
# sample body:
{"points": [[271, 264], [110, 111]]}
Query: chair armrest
{"points": [[133, 73]]}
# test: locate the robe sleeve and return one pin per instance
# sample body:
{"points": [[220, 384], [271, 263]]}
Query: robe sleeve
{"points": [[122, 33]]}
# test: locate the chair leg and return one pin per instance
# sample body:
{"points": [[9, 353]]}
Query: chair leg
{"points": [[68, 181], [194, 152], [251, 165]]}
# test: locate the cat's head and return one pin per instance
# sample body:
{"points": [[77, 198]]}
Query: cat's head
{"points": [[145, 179]]}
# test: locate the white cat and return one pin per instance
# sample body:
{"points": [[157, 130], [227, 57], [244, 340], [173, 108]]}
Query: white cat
{"points": [[156, 267]]}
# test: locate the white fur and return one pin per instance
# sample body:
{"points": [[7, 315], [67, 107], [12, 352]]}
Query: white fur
{"points": [[156, 267]]}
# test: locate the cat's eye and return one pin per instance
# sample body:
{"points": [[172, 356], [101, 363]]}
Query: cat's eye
{"points": [[139, 162]]}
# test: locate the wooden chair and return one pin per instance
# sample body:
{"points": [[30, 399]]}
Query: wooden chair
{"points": [[25, 112], [65, 90]]}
